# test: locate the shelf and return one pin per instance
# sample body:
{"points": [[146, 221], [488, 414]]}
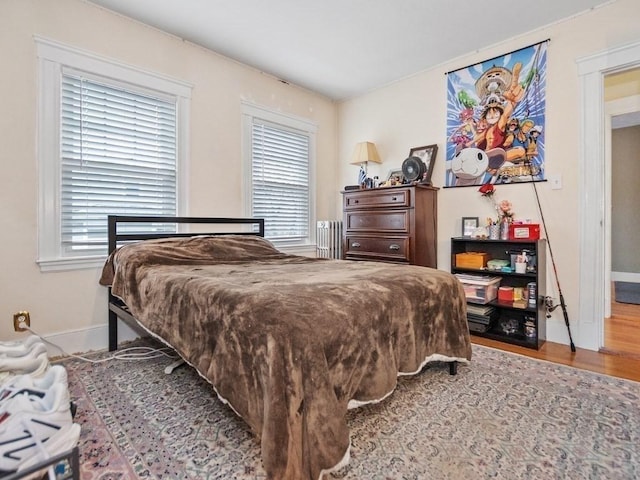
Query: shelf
{"points": [[486, 271], [519, 340], [520, 318], [509, 305], [488, 240]]}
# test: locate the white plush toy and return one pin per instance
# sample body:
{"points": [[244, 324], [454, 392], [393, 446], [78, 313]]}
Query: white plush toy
{"points": [[469, 166]]}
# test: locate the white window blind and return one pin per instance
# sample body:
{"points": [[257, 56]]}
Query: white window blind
{"points": [[118, 156], [280, 180]]}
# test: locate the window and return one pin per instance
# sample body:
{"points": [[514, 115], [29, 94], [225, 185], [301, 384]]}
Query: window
{"points": [[279, 162], [109, 144], [118, 156]]}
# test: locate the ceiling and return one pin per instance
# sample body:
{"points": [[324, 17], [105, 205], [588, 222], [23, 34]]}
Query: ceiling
{"points": [[344, 48]]}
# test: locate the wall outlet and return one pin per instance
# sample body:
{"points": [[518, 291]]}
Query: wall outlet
{"points": [[19, 319]]}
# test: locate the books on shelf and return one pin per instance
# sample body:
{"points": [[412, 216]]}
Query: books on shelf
{"points": [[480, 309]]}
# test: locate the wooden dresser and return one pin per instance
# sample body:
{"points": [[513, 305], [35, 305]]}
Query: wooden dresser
{"points": [[391, 224]]}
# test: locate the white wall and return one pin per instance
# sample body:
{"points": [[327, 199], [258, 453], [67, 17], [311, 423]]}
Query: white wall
{"points": [[412, 112], [625, 199], [406, 114], [66, 302]]}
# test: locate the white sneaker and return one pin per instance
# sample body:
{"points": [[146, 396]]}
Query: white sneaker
{"points": [[19, 348], [10, 355], [35, 363], [33, 429], [37, 385]]}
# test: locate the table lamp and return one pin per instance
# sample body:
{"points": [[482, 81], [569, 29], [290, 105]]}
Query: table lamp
{"points": [[364, 153]]}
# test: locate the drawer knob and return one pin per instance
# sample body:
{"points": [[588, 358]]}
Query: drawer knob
{"points": [[355, 245], [356, 201], [394, 247], [393, 199]]}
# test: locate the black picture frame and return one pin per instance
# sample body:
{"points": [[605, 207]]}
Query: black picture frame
{"points": [[427, 154], [469, 225]]}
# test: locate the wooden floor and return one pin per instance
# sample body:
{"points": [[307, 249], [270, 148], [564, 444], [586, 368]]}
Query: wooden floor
{"points": [[619, 358], [622, 330]]}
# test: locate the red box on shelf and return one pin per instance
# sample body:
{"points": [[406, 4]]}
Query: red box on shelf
{"points": [[505, 294], [524, 231]]}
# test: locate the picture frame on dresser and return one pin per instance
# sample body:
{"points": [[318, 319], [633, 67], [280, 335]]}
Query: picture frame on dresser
{"points": [[395, 172], [427, 154]]}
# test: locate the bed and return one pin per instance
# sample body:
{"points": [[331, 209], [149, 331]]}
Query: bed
{"points": [[289, 342]]}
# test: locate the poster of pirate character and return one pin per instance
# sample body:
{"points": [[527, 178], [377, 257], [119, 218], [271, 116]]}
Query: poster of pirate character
{"points": [[495, 119]]}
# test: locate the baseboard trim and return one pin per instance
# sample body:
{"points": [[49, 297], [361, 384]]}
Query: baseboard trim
{"points": [[619, 353], [92, 339], [625, 277]]}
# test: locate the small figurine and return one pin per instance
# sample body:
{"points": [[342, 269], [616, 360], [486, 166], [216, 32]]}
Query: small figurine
{"points": [[481, 232]]}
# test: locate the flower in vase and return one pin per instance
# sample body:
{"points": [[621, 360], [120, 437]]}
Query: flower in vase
{"points": [[487, 190], [504, 209]]}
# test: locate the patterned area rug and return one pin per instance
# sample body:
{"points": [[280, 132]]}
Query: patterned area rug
{"points": [[504, 416]]}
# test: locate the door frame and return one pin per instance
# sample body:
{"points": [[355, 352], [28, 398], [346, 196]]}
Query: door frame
{"points": [[621, 106], [594, 218]]}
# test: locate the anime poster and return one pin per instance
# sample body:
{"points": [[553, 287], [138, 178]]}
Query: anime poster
{"points": [[495, 120]]}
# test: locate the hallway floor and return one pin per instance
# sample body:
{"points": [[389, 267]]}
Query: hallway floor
{"points": [[622, 330]]}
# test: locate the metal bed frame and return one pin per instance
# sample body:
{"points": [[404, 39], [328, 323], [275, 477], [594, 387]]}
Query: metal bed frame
{"points": [[117, 309]]}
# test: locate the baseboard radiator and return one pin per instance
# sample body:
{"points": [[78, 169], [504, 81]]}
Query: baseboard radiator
{"points": [[329, 239]]}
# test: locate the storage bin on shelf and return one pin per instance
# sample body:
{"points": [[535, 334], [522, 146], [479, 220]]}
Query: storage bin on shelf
{"points": [[505, 294], [479, 288], [472, 260], [524, 231]]}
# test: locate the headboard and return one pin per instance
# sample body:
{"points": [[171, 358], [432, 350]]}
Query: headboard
{"points": [[115, 238], [224, 226]]}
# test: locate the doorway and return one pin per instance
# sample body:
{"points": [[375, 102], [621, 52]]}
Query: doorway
{"points": [[595, 239], [622, 144]]}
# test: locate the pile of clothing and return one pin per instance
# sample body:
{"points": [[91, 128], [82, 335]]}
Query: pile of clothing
{"points": [[36, 413]]}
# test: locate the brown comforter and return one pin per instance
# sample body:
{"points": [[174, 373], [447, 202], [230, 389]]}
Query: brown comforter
{"points": [[289, 341]]}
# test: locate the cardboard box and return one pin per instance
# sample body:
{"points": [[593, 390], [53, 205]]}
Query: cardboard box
{"points": [[472, 260], [479, 288], [524, 231]]}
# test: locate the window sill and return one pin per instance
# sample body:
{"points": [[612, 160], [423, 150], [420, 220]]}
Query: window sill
{"points": [[65, 264], [304, 250]]}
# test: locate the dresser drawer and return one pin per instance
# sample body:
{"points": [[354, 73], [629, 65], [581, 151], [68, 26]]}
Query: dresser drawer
{"points": [[378, 248], [391, 224], [390, 221], [362, 199]]}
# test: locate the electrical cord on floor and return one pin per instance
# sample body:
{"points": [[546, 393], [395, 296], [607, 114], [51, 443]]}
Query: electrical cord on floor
{"points": [[131, 353]]}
